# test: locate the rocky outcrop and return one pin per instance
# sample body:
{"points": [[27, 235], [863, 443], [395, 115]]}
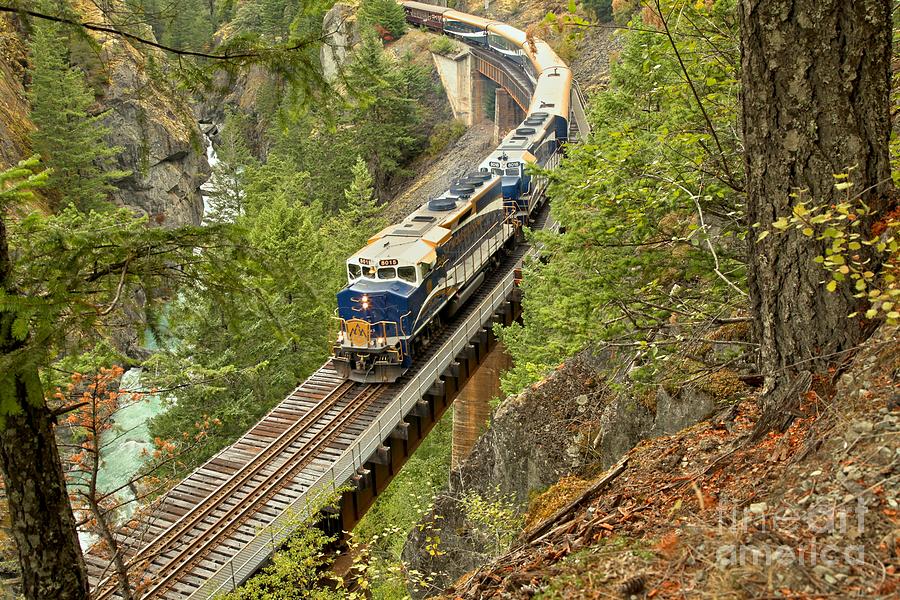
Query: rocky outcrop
{"points": [[341, 35], [577, 421], [162, 144], [14, 124], [245, 92], [154, 125]]}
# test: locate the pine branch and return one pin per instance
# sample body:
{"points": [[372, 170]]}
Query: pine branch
{"points": [[226, 56]]}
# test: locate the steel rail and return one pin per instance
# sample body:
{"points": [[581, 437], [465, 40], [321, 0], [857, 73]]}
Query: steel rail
{"points": [[200, 546], [200, 511]]}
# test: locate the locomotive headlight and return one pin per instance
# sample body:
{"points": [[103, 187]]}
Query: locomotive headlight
{"points": [[340, 337], [365, 302], [381, 341]]}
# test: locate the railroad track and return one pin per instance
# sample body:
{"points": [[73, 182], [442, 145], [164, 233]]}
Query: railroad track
{"points": [[182, 545]]}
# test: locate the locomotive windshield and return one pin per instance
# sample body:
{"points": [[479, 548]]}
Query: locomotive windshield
{"points": [[407, 274], [353, 271], [387, 273]]}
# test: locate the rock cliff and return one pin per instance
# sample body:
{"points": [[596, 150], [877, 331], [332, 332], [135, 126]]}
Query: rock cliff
{"points": [[577, 421], [163, 147], [14, 126], [342, 34]]}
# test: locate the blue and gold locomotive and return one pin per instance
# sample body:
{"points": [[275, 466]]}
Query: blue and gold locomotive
{"points": [[415, 272]]}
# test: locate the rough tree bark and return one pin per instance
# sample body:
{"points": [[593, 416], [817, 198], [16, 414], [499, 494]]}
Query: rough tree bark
{"points": [[816, 102], [43, 526]]}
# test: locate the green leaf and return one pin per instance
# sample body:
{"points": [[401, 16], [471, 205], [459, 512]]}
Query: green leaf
{"points": [[831, 286], [763, 235]]}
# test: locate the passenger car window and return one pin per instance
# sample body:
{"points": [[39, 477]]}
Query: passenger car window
{"points": [[354, 271], [387, 273], [407, 273]]}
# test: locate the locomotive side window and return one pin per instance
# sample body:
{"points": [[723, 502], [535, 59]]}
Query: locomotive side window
{"points": [[407, 274], [354, 271], [387, 273], [424, 269]]}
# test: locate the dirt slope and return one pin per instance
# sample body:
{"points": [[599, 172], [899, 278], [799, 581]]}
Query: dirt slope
{"points": [[811, 513]]}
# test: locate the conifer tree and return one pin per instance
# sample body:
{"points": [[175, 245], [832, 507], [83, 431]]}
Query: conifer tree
{"points": [[360, 195], [69, 139], [62, 278], [385, 16], [386, 118], [226, 193]]}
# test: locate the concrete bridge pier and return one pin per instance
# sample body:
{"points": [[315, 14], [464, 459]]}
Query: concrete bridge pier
{"points": [[472, 408], [507, 114], [463, 84]]}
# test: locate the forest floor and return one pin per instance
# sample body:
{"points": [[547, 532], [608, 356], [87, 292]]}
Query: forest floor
{"points": [[705, 513]]}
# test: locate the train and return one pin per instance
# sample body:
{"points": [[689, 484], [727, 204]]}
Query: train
{"points": [[414, 274]]}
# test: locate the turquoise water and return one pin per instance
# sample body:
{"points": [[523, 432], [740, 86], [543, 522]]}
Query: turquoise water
{"points": [[126, 448]]}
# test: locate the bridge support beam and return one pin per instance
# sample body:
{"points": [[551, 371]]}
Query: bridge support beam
{"points": [[507, 114]]}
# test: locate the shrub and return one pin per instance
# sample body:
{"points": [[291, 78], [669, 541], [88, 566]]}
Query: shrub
{"points": [[443, 135], [601, 9], [442, 45]]}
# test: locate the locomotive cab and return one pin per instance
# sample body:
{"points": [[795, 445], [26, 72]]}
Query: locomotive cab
{"points": [[376, 312]]}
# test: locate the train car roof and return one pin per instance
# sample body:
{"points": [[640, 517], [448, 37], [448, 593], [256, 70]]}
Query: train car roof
{"points": [[509, 33], [414, 239], [543, 57], [426, 7], [551, 94], [406, 250]]}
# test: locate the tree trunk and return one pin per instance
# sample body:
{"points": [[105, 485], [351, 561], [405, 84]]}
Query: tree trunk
{"points": [[42, 523], [43, 526], [106, 533], [816, 102]]}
